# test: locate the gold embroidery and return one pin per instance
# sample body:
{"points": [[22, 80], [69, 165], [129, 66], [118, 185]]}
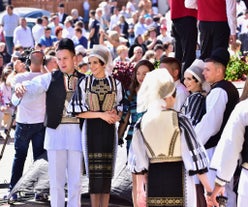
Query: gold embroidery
{"points": [[108, 102], [165, 201], [100, 97]]}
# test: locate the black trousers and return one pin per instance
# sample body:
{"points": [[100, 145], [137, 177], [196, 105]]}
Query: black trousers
{"points": [[184, 31], [212, 36]]}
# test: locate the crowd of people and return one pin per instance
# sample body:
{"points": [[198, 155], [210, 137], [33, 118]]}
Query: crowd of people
{"points": [[79, 86]]}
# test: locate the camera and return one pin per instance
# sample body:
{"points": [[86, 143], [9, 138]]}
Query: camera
{"points": [[222, 200]]}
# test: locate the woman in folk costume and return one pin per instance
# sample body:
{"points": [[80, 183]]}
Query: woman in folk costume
{"points": [[98, 101], [194, 106], [173, 156]]}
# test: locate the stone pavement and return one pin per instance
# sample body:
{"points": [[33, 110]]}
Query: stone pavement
{"points": [[5, 173]]}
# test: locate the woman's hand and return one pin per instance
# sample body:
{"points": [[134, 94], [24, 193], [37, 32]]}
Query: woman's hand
{"points": [[110, 116]]}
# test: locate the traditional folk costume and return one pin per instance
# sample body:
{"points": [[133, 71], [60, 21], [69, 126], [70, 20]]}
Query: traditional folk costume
{"points": [[220, 102], [233, 145], [63, 135], [165, 145], [194, 106], [99, 137]]}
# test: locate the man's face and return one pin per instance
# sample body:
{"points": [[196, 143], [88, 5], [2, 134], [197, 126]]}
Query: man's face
{"points": [[209, 72], [66, 61]]}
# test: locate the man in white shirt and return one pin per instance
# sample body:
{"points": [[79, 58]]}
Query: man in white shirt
{"points": [[23, 35], [30, 116], [9, 22], [38, 30]]}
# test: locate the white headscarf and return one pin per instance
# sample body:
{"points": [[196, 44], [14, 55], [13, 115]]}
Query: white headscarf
{"points": [[157, 85], [103, 53]]}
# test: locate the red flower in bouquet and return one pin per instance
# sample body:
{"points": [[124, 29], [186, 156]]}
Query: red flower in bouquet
{"points": [[123, 72]]}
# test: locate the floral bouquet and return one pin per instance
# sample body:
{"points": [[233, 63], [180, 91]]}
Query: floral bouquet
{"points": [[123, 72]]}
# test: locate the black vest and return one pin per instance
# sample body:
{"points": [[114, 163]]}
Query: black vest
{"points": [[233, 98], [244, 152], [55, 99]]}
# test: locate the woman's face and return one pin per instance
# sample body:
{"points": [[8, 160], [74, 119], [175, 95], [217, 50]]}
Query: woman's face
{"points": [[96, 68], [190, 83], [141, 73]]}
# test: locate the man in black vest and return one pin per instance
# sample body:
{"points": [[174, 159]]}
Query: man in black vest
{"points": [[220, 102], [232, 144], [63, 134]]}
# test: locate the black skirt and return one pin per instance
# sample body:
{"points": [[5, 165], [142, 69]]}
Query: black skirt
{"points": [[166, 184], [100, 147]]}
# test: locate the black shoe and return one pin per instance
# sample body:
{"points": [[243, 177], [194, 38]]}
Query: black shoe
{"points": [[41, 197], [11, 198]]}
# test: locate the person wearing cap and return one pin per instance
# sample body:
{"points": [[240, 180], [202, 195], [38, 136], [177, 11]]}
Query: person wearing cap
{"points": [[164, 37], [63, 135], [99, 102], [220, 102], [163, 162], [232, 149]]}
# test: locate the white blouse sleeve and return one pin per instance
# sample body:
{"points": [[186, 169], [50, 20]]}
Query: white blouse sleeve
{"points": [[231, 142], [137, 157]]}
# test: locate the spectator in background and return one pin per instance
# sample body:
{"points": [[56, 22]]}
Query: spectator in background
{"points": [[68, 30], [61, 13], [159, 50], [9, 22], [86, 8], [45, 21], [38, 30], [164, 37], [137, 54], [23, 35], [139, 28], [122, 52], [79, 39], [75, 16], [114, 19], [51, 63], [47, 40], [152, 38], [54, 22], [123, 27], [58, 32], [94, 28], [100, 19], [6, 109], [1, 64], [3, 52]]}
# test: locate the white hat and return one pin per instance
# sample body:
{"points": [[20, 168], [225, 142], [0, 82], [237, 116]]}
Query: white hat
{"points": [[157, 85]]}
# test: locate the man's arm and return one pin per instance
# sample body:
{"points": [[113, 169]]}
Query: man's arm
{"points": [[211, 122]]}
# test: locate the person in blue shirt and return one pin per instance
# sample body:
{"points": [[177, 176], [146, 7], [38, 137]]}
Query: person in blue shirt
{"points": [[47, 40]]}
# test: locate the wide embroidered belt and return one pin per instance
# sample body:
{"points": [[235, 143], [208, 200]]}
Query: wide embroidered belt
{"points": [[69, 120], [245, 165], [163, 158]]}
